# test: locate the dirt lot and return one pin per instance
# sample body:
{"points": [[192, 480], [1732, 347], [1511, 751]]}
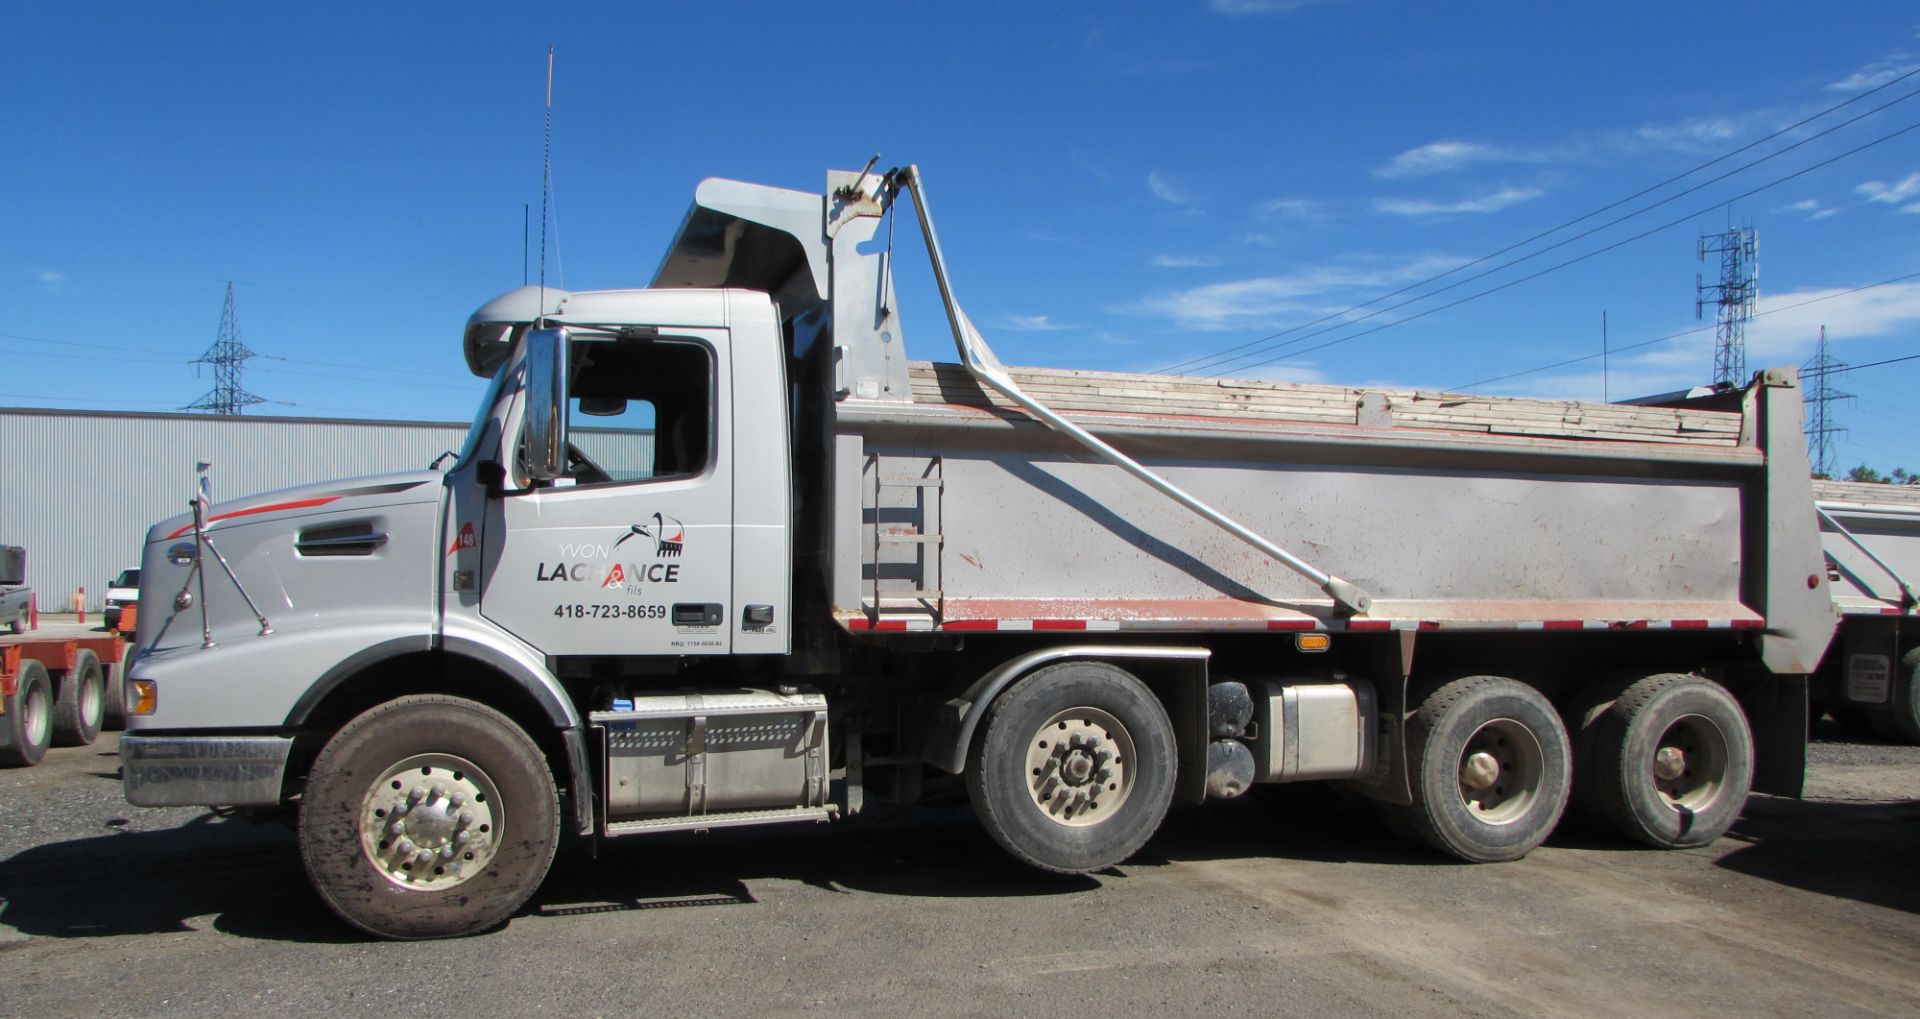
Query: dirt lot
{"points": [[1291, 903]]}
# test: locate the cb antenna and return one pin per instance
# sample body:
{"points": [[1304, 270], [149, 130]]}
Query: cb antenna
{"points": [[546, 188]]}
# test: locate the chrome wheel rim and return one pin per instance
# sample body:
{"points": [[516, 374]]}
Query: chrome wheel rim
{"points": [[431, 822], [92, 705], [1500, 771], [1080, 767]]}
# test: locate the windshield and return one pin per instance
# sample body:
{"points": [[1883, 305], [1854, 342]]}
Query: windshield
{"points": [[508, 365], [127, 578]]}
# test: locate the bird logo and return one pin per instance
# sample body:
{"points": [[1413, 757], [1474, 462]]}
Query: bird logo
{"points": [[669, 536]]}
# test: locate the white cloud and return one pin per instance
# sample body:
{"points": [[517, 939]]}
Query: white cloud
{"points": [[1294, 208], [1782, 337], [1875, 74], [1695, 134], [1033, 324], [1241, 8], [49, 280], [1164, 190], [1498, 200], [1810, 208], [1239, 304], [1184, 261], [1447, 156], [1891, 194]]}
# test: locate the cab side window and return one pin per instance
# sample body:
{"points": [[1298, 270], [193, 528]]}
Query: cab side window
{"points": [[639, 410]]}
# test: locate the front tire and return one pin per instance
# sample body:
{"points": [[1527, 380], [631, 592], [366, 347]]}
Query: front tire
{"points": [[1490, 770], [1075, 768], [1669, 763], [428, 816], [29, 719]]}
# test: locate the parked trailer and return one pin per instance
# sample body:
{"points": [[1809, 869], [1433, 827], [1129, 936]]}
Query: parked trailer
{"points": [[55, 691], [829, 573], [1871, 674]]}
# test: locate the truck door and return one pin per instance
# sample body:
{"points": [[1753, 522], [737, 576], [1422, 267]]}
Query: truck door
{"points": [[631, 552]]}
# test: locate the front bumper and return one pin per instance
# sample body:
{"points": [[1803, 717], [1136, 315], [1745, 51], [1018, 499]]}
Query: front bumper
{"points": [[210, 771]]}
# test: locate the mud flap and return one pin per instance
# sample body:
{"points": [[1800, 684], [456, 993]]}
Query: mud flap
{"points": [[1776, 707]]}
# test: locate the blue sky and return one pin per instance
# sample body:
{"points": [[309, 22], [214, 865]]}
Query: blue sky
{"points": [[1120, 186]]}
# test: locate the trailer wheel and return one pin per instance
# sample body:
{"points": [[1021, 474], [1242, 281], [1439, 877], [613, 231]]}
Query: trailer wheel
{"points": [[28, 724], [1489, 758], [1075, 768], [1901, 719], [81, 703], [428, 816], [1670, 763]]}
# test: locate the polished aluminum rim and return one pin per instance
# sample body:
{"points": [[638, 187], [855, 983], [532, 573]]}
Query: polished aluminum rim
{"points": [[431, 822]]}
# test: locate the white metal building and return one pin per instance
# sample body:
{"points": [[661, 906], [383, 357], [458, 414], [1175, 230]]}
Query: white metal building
{"points": [[79, 489]]}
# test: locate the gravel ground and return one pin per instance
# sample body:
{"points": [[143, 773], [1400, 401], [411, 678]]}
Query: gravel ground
{"points": [[1287, 901]]}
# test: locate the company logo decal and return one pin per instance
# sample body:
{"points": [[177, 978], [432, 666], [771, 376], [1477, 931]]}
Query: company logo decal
{"points": [[464, 540], [669, 536]]}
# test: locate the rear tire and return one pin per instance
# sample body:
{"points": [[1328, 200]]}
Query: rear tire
{"points": [[1490, 770], [1669, 763], [81, 704], [19, 624], [1075, 767], [428, 816], [28, 724]]}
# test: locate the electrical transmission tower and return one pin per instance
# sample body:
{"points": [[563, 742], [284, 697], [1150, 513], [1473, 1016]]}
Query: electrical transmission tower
{"points": [[1735, 294], [227, 356], [1822, 400]]}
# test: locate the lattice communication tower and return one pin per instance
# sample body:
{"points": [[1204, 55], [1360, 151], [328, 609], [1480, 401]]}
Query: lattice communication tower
{"points": [[227, 356], [1822, 401], [1734, 296]]}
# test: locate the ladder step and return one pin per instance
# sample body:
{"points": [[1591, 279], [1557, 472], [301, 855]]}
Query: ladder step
{"points": [[911, 595], [707, 822], [908, 481], [910, 537]]}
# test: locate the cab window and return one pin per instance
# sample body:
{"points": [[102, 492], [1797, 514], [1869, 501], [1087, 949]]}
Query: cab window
{"points": [[639, 410]]}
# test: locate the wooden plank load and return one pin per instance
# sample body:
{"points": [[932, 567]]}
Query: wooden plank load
{"points": [[1245, 401]]}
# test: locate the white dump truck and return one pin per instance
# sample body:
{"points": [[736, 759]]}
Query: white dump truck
{"points": [[716, 554], [1871, 675]]}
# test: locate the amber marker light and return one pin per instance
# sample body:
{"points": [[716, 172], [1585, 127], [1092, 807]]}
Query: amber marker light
{"points": [[145, 697], [1311, 642]]}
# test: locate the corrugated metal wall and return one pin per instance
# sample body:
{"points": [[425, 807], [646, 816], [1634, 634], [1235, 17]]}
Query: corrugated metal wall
{"points": [[80, 489]]}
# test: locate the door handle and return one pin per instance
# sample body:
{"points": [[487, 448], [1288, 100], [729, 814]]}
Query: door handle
{"points": [[697, 614]]}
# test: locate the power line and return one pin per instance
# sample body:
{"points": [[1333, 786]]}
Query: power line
{"points": [[1581, 258], [1686, 332], [1219, 358], [1870, 364]]}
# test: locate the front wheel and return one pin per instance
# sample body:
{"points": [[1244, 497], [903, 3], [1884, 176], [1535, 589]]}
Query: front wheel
{"points": [[428, 816], [1490, 765], [1075, 769]]}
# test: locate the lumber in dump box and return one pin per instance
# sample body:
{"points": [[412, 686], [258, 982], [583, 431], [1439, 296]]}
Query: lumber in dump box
{"points": [[1453, 511]]}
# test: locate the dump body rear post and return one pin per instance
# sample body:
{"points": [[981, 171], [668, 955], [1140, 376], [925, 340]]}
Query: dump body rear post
{"points": [[716, 554]]}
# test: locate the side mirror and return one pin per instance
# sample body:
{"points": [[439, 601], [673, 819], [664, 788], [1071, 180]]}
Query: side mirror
{"points": [[546, 403]]}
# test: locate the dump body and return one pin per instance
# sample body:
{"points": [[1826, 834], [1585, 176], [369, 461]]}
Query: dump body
{"points": [[1455, 512], [1885, 519]]}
